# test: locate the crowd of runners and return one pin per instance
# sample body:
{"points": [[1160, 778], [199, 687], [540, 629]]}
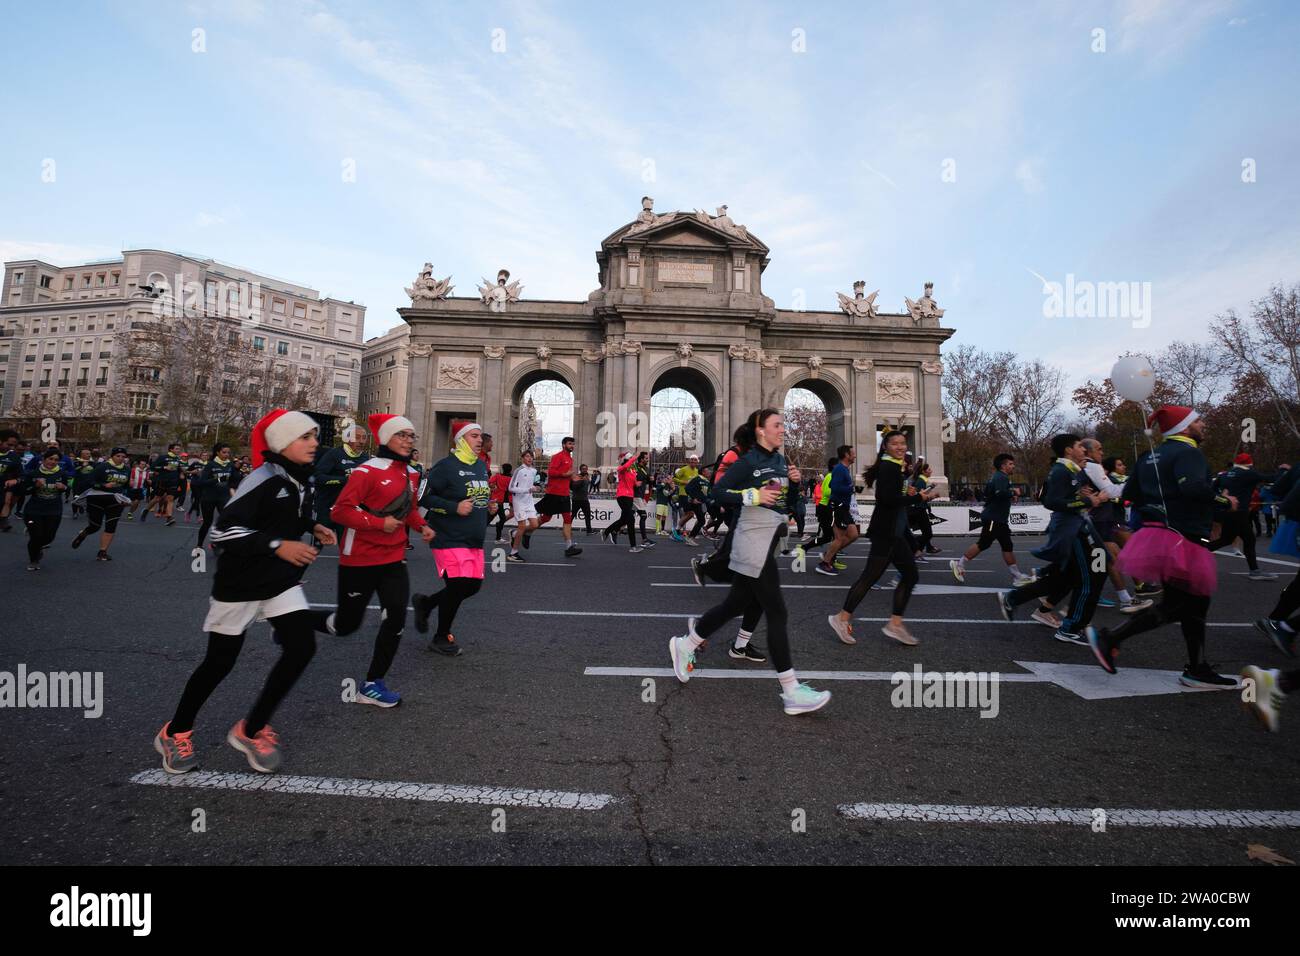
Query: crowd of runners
{"points": [[1148, 529]]}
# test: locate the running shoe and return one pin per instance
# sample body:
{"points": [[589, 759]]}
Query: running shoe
{"points": [[177, 750], [81, 536], [374, 692], [661, 534], [33, 567], [634, 550], [1107, 602], [840, 565], [449, 647], [1005, 607], [1268, 699], [1149, 590], [677, 536], [1133, 605], [933, 550], [692, 542], [843, 629], [1283, 639], [1020, 580], [958, 571], [1203, 675], [170, 522], [826, 569], [516, 558], [747, 653], [262, 751], [422, 605], [647, 543], [103, 556], [572, 551], [129, 516], [804, 700], [1262, 576], [679, 649], [604, 536], [1070, 637], [900, 634], [697, 570], [1103, 648], [1046, 618], [920, 559], [411, 547]]}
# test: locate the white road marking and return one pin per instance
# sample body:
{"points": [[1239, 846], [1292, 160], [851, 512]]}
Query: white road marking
{"points": [[687, 567], [921, 590], [1237, 554], [1084, 680], [910, 620], [1118, 817], [392, 790]]}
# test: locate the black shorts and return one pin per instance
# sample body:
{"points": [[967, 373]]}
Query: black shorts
{"points": [[998, 531], [555, 505], [1106, 529], [842, 515]]}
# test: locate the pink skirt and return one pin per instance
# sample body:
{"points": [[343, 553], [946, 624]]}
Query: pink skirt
{"points": [[1159, 556], [459, 562]]}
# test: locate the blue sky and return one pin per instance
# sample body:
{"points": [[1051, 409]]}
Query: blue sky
{"points": [[1122, 165]]}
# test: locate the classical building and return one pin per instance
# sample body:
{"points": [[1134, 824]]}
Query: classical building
{"points": [[680, 304], [384, 362], [63, 330]]}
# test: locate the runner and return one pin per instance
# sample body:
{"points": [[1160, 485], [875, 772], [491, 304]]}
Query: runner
{"points": [[918, 510], [458, 503], [842, 519], [486, 454], [45, 487], [522, 505], [1240, 482], [214, 486], [167, 481], [500, 484], [579, 487], [822, 509], [1283, 621], [261, 560], [194, 481], [1072, 547], [995, 523], [1106, 519], [83, 474], [887, 532], [104, 500], [663, 504], [685, 510], [139, 486], [556, 501], [697, 493], [11, 475], [641, 496], [1174, 491], [624, 494], [376, 507], [758, 484], [1271, 688], [333, 466]]}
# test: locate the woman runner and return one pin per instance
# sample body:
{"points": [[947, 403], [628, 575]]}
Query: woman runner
{"points": [[104, 501]]}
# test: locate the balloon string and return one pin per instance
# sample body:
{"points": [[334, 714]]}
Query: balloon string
{"points": [[1155, 463]]}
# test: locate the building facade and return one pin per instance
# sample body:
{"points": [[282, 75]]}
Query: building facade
{"points": [[680, 304], [384, 364], [70, 336]]}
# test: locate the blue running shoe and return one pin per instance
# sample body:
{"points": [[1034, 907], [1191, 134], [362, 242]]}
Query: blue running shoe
{"points": [[1107, 602], [374, 692]]}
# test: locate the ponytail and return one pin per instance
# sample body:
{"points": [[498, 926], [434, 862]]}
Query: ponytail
{"points": [[869, 476]]}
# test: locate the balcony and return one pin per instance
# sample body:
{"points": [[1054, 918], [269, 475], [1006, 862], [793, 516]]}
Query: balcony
{"points": [[345, 363]]}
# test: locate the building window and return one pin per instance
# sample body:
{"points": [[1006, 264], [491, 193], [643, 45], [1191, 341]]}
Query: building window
{"points": [[103, 376], [144, 402], [232, 338], [281, 348], [67, 283], [277, 306], [18, 278], [340, 401], [117, 279], [259, 343], [99, 279], [85, 281], [299, 310], [45, 281], [232, 298], [140, 430]]}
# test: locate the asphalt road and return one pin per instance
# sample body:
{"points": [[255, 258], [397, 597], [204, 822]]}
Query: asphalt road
{"points": [[709, 772]]}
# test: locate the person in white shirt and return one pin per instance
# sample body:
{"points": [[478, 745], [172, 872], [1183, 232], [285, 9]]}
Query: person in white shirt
{"points": [[523, 505], [1106, 518]]}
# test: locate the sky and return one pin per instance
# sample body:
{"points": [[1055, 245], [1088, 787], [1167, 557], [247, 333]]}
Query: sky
{"points": [[986, 147]]}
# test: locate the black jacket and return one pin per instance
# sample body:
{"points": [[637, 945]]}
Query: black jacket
{"points": [[273, 504], [889, 512], [1174, 488]]}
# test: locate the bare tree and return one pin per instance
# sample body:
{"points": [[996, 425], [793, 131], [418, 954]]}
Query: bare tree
{"points": [[805, 435], [1033, 415], [1191, 373], [975, 387], [1268, 343]]}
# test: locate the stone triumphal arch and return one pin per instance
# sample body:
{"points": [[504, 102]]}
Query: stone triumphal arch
{"points": [[681, 305]]}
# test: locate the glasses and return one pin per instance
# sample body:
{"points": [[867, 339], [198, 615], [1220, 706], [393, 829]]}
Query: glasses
{"points": [[407, 436]]}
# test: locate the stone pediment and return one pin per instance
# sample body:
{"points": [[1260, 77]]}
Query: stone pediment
{"points": [[681, 229], [687, 237]]}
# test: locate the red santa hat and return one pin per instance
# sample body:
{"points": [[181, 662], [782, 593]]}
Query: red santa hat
{"points": [[278, 430], [1243, 459], [626, 457], [465, 429], [1172, 419], [384, 427]]}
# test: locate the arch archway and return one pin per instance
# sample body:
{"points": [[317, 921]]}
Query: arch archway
{"points": [[685, 392], [803, 401], [553, 398]]}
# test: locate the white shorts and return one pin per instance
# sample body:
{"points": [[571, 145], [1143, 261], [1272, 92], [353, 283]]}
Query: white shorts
{"points": [[525, 507], [233, 617]]}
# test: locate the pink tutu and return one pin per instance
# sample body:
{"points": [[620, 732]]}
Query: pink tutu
{"points": [[459, 562], [1157, 555]]}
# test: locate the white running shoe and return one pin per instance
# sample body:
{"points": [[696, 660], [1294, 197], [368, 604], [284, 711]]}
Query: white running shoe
{"points": [[679, 649], [1046, 618], [843, 629], [1268, 699], [900, 634], [1023, 579], [804, 700], [1133, 605], [958, 571]]}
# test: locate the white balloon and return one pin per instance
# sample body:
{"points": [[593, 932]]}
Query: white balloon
{"points": [[1133, 378]]}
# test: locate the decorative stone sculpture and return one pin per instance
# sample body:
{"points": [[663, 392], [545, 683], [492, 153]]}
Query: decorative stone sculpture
{"points": [[495, 297], [932, 368], [647, 218], [894, 388], [457, 372], [863, 364], [631, 348], [425, 289], [860, 305], [925, 307], [685, 350], [722, 221], [544, 353], [736, 351], [494, 351], [593, 356], [814, 363], [420, 350], [769, 359], [753, 354]]}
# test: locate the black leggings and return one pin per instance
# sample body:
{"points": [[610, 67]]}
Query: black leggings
{"points": [[105, 514], [581, 506], [763, 592], [41, 530], [825, 531], [1233, 525], [449, 600], [716, 567], [356, 585], [294, 632], [921, 525], [1288, 602], [1056, 581], [883, 553], [209, 511], [798, 521], [1189, 610], [623, 520]]}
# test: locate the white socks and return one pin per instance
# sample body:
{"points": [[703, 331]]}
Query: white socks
{"points": [[1015, 571], [1124, 596], [742, 638], [961, 562], [789, 683]]}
